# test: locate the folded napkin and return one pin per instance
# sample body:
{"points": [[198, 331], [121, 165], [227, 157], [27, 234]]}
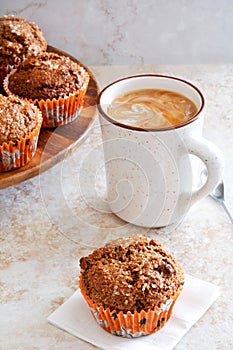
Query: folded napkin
{"points": [[75, 317]]}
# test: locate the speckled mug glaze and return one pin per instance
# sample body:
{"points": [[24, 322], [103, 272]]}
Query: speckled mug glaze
{"points": [[150, 172]]}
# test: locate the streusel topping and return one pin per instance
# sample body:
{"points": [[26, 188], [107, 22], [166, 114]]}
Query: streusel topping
{"points": [[17, 118], [131, 274], [19, 39], [47, 76]]}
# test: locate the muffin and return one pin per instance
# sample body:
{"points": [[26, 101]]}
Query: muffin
{"points": [[19, 39], [131, 285], [20, 124], [53, 82]]}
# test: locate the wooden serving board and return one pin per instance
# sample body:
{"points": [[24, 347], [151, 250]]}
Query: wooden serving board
{"points": [[55, 144]]}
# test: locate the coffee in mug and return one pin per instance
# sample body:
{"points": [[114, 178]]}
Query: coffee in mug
{"points": [[149, 166], [152, 108]]}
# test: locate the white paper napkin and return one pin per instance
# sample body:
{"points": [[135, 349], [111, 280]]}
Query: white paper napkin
{"points": [[197, 296]]}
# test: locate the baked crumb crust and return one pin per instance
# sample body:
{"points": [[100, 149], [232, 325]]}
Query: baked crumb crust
{"points": [[46, 76], [17, 118], [131, 274], [19, 39]]}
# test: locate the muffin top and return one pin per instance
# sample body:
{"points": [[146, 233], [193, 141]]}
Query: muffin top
{"points": [[46, 76], [19, 39], [17, 118], [131, 274]]}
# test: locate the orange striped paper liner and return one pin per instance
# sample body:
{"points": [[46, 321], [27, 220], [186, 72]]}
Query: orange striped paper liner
{"points": [[131, 324], [61, 111]]}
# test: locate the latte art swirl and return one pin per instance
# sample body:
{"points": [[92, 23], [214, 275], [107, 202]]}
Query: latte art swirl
{"points": [[152, 108]]}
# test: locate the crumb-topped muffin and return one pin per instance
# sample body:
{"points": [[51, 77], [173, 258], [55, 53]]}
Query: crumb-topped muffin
{"points": [[20, 124], [47, 76], [54, 82], [19, 39], [131, 278], [17, 119]]}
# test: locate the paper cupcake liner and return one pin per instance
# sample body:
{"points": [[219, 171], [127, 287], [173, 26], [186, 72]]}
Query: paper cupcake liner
{"points": [[4, 70], [61, 111], [16, 154], [131, 324]]}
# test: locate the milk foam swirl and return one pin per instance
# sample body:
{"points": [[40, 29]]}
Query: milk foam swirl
{"points": [[152, 108]]}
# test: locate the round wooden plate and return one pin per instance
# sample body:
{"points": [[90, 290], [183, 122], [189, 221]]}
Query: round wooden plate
{"points": [[55, 144]]}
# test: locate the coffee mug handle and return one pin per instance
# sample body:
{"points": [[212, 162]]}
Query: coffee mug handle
{"points": [[213, 159]]}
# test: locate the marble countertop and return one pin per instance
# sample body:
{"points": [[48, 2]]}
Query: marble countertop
{"points": [[48, 222]]}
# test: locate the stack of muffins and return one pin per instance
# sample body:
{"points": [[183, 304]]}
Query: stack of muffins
{"points": [[51, 85]]}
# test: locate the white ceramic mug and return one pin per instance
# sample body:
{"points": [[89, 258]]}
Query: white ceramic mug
{"points": [[150, 172]]}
